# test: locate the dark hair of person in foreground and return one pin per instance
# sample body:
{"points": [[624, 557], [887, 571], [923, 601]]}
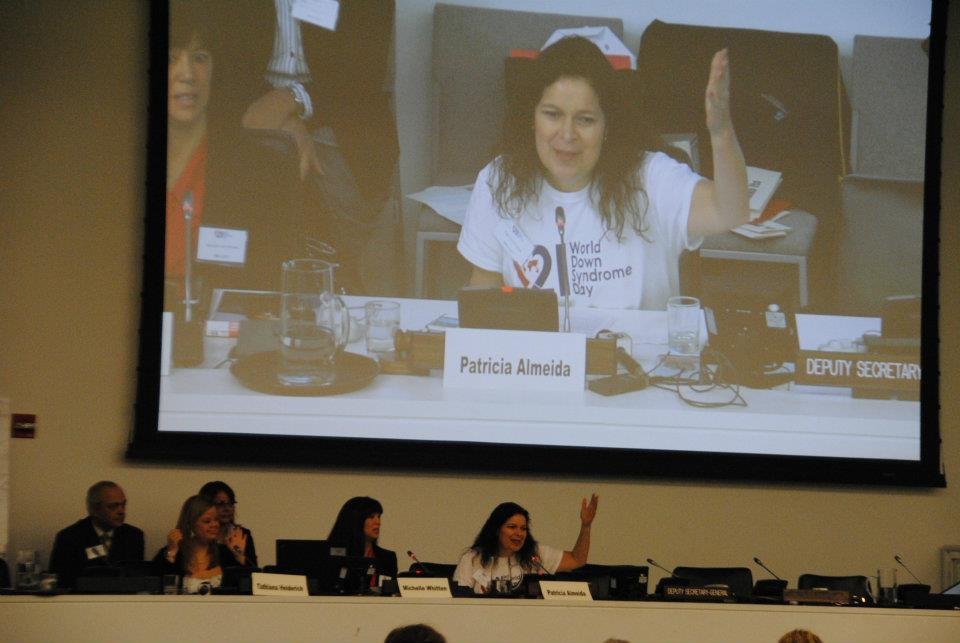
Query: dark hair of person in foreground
{"points": [[418, 633]]}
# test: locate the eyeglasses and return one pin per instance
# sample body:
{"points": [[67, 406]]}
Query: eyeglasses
{"points": [[225, 503]]}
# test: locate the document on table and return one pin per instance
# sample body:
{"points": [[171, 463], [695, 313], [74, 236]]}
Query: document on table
{"points": [[449, 201]]}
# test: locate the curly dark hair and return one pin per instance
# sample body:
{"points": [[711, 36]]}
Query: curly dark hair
{"points": [[616, 184], [347, 530], [487, 542]]}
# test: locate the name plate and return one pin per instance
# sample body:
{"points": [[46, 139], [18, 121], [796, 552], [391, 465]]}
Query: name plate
{"points": [[859, 370], [818, 596], [514, 360], [564, 590], [222, 245], [278, 584], [424, 587], [698, 593]]}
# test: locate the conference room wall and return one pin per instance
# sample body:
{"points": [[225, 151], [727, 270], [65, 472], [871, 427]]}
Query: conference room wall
{"points": [[72, 122]]}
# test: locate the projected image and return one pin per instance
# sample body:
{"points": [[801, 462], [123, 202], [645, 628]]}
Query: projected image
{"points": [[722, 215]]}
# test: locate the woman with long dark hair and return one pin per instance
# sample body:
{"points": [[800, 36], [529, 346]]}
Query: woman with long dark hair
{"points": [[357, 529], [505, 550], [575, 169]]}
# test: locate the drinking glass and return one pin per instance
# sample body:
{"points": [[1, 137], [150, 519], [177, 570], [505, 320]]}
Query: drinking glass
{"points": [[28, 569], [683, 325], [383, 318], [887, 585]]}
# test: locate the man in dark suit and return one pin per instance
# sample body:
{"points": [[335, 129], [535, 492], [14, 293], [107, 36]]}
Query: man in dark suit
{"points": [[101, 538]]}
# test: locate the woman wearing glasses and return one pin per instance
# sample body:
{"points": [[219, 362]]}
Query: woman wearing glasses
{"points": [[237, 537]]}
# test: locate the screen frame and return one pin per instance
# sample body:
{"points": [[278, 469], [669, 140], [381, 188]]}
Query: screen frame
{"points": [[148, 444]]}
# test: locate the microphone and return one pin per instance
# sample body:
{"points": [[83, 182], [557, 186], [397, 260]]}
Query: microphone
{"points": [[904, 565], [659, 566], [561, 218], [536, 561], [420, 567], [563, 280], [770, 571]]}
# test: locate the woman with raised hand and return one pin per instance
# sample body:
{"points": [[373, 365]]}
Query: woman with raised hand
{"points": [[575, 169], [231, 533], [505, 550]]}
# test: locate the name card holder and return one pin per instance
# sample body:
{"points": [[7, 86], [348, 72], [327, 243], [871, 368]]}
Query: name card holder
{"points": [[862, 371], [413, 587], [563, 590], [512, 360], [816, 596], [707, 594], [263, 584], [423, 351]]}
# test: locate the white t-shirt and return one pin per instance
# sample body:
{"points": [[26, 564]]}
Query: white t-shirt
{"points": [[470, 573], [603, 272]]}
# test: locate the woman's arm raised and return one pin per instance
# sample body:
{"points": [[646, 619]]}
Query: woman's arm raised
{"points": [[723, 203], [577, 557]]}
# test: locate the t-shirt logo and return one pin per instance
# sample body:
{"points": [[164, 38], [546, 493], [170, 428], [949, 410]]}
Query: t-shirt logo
{"points": [[535, 269]]}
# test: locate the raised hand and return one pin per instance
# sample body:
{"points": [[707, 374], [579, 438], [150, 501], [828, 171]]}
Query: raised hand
{"points": [[588, 510], [237, 542], [717, 96], [174, 537]]}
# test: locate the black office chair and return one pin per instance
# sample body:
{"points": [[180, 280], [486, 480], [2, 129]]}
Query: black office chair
{"points": [[738, 579], [858, 586]]}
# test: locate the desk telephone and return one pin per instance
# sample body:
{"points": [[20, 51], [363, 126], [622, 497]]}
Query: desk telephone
{"points": [[755, 340]]}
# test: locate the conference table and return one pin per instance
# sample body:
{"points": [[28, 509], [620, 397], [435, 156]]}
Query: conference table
{"points": [[787, 419], [235, 619]]}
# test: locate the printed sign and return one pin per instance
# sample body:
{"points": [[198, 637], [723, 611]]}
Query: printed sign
{"points": [[514, 360], [278, 584], [561, 590], [418, 587], [323, 13], [222, 245], [859, 370]]}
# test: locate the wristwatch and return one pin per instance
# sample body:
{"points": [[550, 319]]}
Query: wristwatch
{"points": [[302, 98]]}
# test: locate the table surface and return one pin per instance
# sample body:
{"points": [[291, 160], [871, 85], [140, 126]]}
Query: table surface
{"points": [[796, 243], [368, 619], [789, 419]]}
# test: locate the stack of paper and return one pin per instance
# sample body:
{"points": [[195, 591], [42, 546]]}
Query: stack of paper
{"points": [[766, 230], [450, 202], [761, 184]]}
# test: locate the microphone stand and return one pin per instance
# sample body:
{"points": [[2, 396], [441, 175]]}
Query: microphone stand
{"points": [[187, 207], [904, 565], [770, 571]]}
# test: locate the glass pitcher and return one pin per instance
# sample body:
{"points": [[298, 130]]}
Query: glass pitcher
{"points": [[314, 323]]}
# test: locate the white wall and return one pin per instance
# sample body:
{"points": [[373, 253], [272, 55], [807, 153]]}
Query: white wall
{"points": [[72, 122]]}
